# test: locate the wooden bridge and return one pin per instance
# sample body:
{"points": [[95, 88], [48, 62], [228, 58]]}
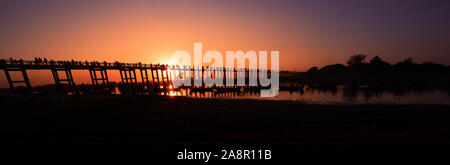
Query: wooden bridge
{"points": [[153, 77]]}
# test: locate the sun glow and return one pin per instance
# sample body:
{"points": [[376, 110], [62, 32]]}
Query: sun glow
{"points": [[173, 93]]}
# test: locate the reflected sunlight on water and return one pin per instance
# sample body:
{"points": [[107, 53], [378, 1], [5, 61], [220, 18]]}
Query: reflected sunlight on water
{"points": [[342, 95]]}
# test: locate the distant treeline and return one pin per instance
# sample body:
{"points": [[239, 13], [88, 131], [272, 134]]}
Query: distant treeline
{"points": [[375, 72]]}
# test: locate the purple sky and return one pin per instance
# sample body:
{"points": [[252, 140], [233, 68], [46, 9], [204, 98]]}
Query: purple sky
{"points": [[307, 33]]}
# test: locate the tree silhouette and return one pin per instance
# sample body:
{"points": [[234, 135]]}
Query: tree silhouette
{"points": [[377, 60], [380, 74], [408, 61], [356, 60], [335, 68], [313, 69]]}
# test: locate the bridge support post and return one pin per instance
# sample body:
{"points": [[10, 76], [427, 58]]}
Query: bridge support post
{"points": [[127, 76], [55, 77], [8, 77], [151, 73], [69, 77], [156, 81], [25, 78], [164, 82], [11, 82], [144, 78], [95, 79]]}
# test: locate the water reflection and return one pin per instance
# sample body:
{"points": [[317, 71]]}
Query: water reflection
{"points": [[341, 95]]}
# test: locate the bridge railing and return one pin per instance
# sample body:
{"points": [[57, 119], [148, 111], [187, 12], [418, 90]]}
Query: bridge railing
{"points": [[72, 63]]}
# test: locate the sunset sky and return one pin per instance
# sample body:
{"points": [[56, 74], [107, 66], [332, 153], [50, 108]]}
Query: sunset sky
{"points": [[307, 33]]}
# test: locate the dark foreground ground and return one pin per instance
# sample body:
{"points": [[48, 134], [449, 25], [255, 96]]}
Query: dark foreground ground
{"points": [[177, 120], [151, 128]]}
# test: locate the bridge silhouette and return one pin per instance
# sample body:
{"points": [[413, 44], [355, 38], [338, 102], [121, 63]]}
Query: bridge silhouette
{"points": [[154, 78]]}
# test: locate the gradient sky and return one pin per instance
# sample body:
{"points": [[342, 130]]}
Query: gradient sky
{"points": [[307, 33]]}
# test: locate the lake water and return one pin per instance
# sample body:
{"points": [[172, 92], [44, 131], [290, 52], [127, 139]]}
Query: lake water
{"points": [[345, 95], [340, 95]]}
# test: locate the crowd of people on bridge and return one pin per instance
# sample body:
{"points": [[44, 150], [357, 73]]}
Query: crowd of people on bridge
{"points": [[74, 63], [12, 61]]}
